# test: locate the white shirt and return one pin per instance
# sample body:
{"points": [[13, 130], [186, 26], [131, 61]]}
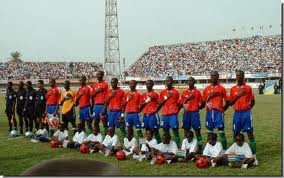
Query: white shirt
{"points": [[213, 151], [130, 144], [61, 135], [94, 138], [151, 143], [192, 146], [170, 148], [42, 132], [79, 137], [240, 150], [111, 141]]}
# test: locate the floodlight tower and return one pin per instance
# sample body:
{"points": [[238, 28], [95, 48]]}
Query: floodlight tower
{"points": [[112, 54]]}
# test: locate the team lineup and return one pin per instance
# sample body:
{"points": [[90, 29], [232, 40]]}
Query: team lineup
{"points": [[116, 108]]}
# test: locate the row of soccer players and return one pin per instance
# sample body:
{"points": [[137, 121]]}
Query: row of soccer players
{"points": [[118, 109], [239, 155]]}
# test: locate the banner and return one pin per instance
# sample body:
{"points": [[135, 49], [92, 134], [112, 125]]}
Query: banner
{"points": [[269, 87]]}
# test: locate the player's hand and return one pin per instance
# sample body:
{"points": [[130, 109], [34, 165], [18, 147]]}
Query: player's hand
{"points": [[82, 92], [113, 94], [214, 94], [190, 97], [100, 90], [121, 120], [67, 97], [130, 97], [168, 95], [242, 93]]}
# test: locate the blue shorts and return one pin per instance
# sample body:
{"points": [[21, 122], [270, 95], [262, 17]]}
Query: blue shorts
{"points": [[51, 108], [151, 121], [112, 119], [242, 121], [169, 121], [214, 119], [133, 119], [85, 114], [97, 110], [191, 119]]}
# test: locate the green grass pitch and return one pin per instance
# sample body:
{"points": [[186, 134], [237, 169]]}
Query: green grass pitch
{"points": [[16, 155]]}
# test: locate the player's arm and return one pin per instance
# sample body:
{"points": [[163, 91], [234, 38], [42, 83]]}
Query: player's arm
{"points": [[163, 100], [236, 97]]}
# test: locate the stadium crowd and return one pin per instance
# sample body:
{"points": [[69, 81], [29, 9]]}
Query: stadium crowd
{"points": [[43, 70], [253, 55]]}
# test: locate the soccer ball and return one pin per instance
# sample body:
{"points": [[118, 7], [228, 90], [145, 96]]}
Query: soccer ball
{"points": [[202, 162], [84, 148], [28, 134], [54, 143], [120, 155], [13, 133], [160, 160]]}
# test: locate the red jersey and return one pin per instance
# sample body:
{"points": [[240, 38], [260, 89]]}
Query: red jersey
{"points": [[100, 98], [216, 102], [116, 102], [52, 96], [193, 104], [171, 105], [133, 104], [85, 98], [151, 106], [243, 103]]}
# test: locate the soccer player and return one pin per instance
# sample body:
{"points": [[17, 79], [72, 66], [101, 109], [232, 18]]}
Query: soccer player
{"points": [[190, 145], [115, 118], [130, 105], [21, 98], [29, 108], [79, 137], [214, 151], [98, 98], [41, 104], [83, 97], [192, 103], [52, 101], [67, 100], [94, 140], [166, 148], [111, 143], [10, 106], [41, 134], [242, 98], [129, 142], [239, 154], [169, 100], [214, 97], [61, 134], [149, 103]]}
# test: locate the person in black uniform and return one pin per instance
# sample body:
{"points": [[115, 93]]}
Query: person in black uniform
{"points": [[260, 89], [10, 106], [40, 104], [21, 98], [29, 108]]}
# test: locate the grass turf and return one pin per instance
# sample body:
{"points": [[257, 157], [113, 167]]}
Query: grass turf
{"points": [[16, 155]]}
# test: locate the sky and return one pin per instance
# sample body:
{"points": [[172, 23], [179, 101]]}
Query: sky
{"points": [[73, 30]]}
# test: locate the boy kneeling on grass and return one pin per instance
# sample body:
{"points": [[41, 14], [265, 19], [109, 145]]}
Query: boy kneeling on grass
{"points": [[166, 148], [214, 151], [129, 143], [239, 155], [94, 140], [190, 145], [110, 144], [61, 134], [146, 148], [41, 135], [78, 138]]}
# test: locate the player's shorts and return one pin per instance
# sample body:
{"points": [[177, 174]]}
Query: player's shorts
{"points": [[191, 119], [112, 119], [51, 108], [151, 121], [242, 121], [214, 119], [98, 108], [169, 121], [133, 119], [69, 116], [84, 114]]}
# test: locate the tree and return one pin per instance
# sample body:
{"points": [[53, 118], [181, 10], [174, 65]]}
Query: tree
{"points": [[16, 55]]}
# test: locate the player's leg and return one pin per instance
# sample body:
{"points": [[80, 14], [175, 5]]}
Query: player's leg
{"points": [[154, 125], [209, 123], [31, 122], [9, 116], [247, 126], [237, 126], [138, 125], [116, 116], [165, 124], [21, 120], [195, 123], [96, 116], [174, 125], [219, 123]]}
